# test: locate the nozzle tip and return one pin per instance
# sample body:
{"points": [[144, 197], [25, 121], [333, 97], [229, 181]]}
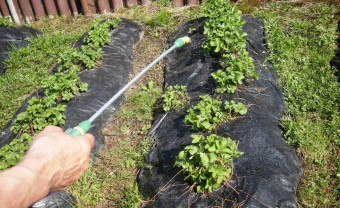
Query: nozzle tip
{"points": [[186, 39], [182, 41]]}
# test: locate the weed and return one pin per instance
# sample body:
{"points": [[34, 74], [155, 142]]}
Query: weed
{"points": [[163, 3], [5, 22], [87, 190], [191, 31], [301, 39], [193, 13], [138, 107], [161, 17], [113, 175], [174, 97], [131, 197]]}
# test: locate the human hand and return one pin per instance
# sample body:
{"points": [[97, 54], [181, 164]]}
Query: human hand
{"points": [[57, 157], [54, 161]]}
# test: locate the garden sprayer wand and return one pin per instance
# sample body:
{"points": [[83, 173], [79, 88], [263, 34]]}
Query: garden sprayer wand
{"points": [[84, 126]]}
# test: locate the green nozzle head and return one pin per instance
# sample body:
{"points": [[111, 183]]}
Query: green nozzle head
{"points": [[81, 129], [182, 41]]}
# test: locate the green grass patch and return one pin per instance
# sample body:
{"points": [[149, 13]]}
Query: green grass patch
{"points": [[110, 182], [163, 2], [5, 21], [161, 17], [302, 39], [27, 67]]}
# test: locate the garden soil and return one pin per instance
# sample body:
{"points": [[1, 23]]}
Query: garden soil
{"points": [[268, 173], [13, 37]]}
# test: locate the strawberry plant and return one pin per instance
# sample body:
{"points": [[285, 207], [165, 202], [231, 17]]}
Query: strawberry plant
{"points": [[207, 161], [11, 153], [63, 85], [38, 115], [237, 67], [68, 59], [235, 108], [223, 30], [174, 97], [223, 27], [89, 55], [92, 50], [209, 112]]}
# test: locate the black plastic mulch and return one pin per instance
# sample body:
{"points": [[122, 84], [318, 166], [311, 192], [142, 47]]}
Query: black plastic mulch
{"points": [[266, 175], [13, 37]]}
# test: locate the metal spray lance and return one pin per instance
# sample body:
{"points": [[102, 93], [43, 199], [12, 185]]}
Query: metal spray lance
{"points": [[84, 126]]}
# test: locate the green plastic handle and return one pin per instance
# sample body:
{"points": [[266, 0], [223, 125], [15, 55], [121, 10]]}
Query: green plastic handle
{"points": [[182, 41], [81, 129]]}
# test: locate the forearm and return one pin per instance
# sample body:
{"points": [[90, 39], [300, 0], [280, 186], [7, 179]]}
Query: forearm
{"points": [[21, 185], [54, 161]]}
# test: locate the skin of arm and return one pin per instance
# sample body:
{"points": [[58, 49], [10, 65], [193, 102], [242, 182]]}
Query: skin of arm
{"points": [[54, 161]]}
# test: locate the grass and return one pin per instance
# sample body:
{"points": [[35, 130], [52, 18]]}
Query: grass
{"points": [[5, 21], [110, 182], [27, 67], [302, 38]]}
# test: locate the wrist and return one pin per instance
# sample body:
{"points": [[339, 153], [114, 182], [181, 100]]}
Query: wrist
{"points": [[23, 184], [39, 177], [38, 171], [44, 164]]}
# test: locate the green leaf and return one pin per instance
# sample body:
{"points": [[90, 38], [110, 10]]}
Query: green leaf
{"points": [[204, 159], [193, 150], [196, 138], [181, 155], [212, 157]]}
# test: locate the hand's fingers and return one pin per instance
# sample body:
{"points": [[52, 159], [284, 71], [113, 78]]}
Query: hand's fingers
{"points": [[89, 138], [47, 131], [51, 128]]}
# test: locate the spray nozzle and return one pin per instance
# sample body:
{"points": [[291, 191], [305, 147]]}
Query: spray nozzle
{"points": [[182, 41]]}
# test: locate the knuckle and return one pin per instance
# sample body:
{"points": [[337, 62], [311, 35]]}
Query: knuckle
{"points": [[86, 145], [88, 141], [85, 166], [50, 127]]}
